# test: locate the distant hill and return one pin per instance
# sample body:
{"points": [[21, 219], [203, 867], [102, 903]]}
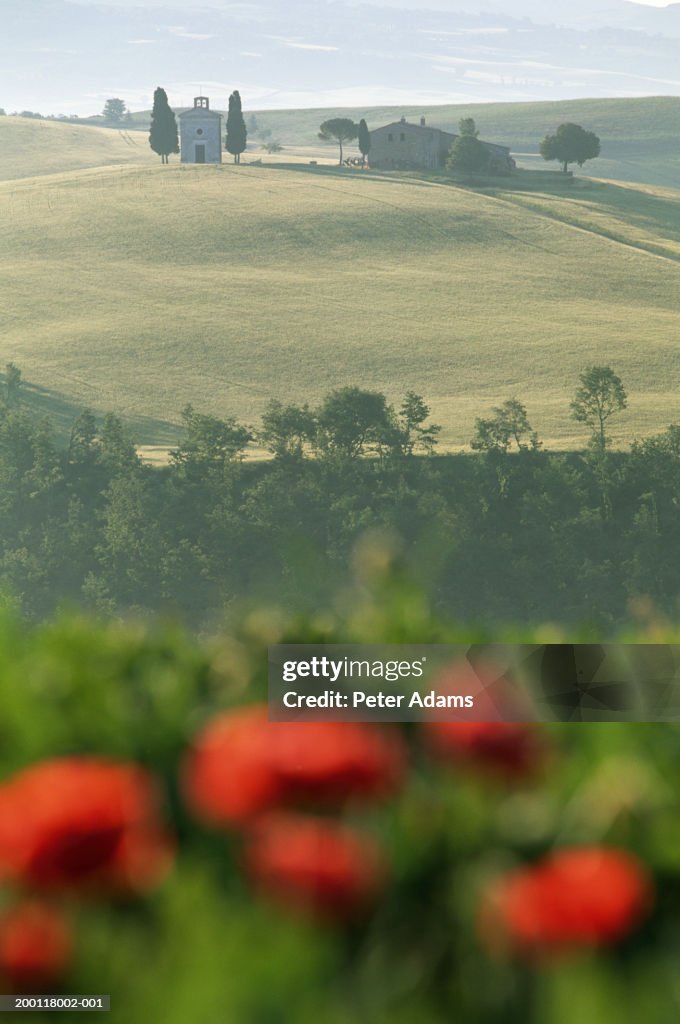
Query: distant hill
{"points": [[142, 288]]}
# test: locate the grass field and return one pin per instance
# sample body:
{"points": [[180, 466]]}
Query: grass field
{"points": [[142, 288], [30, 147]]}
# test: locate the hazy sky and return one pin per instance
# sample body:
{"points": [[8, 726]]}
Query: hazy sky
{"points": [[69, 56], [425, 5]]}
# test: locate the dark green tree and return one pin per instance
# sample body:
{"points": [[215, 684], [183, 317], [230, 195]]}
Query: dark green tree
{"points": [[599, 396], [467, 155], [210, 443], [114, 111], [342, 129], [163, 137], [83, 448], [415, 434], [237, 133], [11, 385], [509, 423], [364, 140], [467, 126], [570, 144], [352, 422], [118, 452], [131, 541], [286, 429]]}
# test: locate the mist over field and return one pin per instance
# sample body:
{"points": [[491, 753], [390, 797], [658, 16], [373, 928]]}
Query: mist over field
{"points": [[68, 56]]}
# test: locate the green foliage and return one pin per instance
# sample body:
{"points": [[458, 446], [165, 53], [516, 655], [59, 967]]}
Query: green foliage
{"points": [[342, 129], [364, 139], [415, 433], [163, 135], [509, 423], [570, 144], [467, 126], [599, 396], [467, 155], [210, 444], [91, 524], [114, 110], [237, 133], [352, 423], [287, 429], [11, 385]]}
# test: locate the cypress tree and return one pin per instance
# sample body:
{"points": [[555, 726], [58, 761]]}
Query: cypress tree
{"points": [[163, 137], [237, 133], [364, 142]]}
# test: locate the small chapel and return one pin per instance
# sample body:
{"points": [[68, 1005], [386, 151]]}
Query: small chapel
{"points": [[200, 134]]}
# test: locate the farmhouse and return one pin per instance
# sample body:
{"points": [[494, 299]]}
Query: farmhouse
{"points": [[200, 134], [405, 146]]}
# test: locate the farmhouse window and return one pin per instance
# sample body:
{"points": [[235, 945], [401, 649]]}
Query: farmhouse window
{"points": [[403, 137], [390, 137]]}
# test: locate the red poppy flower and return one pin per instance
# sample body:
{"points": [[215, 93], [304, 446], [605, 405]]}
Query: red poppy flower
{"points": [[83, 823], [584, 896], [243, 764], [35, 946], [508, 749], [318, 867]]}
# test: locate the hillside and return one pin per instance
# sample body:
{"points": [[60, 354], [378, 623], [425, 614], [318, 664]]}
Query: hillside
{"points": [[142, 289], [30, 147], [640, 136]]}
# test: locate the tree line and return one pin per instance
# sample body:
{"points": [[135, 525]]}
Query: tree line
{"points": [[508, 532]]}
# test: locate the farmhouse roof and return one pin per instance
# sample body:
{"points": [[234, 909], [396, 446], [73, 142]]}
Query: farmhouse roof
{"points": [[411, 124], [450, 135]]}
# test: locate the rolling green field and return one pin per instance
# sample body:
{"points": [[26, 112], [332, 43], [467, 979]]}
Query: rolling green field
{"points": [[141, 288], [31, 147]]}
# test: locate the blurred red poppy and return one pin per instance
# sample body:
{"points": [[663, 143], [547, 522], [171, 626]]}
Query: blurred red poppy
{"points": [[35, 946], [243, 764], [510, 750], [316, 866], [582, 896], [83, 823]]}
